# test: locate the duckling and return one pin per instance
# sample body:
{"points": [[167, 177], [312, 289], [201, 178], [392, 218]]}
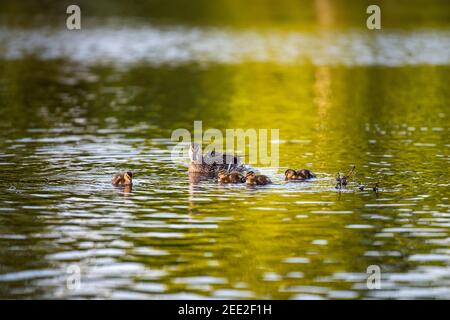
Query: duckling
{"points": [[290, 174], [223, 176], [302, 174], [212, 162], [305, 174], [252, 179], [236, 177], [233, 177], [341, 180], [122, 179], [375, 188]]}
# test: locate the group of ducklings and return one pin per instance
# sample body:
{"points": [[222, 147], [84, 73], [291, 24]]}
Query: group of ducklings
{"points": [[342, 181], [226, 168], [231, 170], [251, 178]]}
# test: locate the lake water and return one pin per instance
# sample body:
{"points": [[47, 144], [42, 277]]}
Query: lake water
{"points": [[78, 107]]}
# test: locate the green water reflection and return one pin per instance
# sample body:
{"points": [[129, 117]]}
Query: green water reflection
{"points": [[241, 14], [67, 128], [74, 111]]}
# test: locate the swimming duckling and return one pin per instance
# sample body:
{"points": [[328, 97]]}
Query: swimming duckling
{"points": [[212, 162], [252, 179], [233, 177], [376, 187], [290, 174], [341, 180], [305, 174], [302, 174], [222, 176], [122, 179]]}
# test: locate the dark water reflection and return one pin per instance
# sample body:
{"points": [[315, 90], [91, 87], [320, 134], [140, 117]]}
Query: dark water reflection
{"points": [[66, 128]]}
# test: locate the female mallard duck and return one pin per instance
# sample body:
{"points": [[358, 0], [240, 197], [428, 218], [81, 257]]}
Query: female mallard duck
{"points": [[212, 162], [253, 179], [122, 179], [302, 174], [232, 177]]}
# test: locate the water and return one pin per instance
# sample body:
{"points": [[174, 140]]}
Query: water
{"points": [[181, 45], [71, 118]]}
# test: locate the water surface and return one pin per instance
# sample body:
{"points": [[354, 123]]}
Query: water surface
{"points": [[71, 118]]}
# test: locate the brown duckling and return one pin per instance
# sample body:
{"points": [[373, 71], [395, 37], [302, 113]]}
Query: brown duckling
{"points": [[236, 177], [290, 174], [232, 177], [222, 176], [252, 179], [122, 179], [302, 174], [305, 174]]}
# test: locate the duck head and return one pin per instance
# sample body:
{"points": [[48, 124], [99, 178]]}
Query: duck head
{"points": [[250, 177], [250, 174]]}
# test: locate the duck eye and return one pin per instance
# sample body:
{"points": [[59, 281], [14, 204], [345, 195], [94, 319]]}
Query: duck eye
{"points": [[130, 174]]}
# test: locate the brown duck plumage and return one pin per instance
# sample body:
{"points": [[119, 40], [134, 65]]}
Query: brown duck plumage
{"points": [[232, 177], [253, 179], [212, 162], [122, 179], [302, 174]]}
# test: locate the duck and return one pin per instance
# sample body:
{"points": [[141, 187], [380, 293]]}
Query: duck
{"points": [[212, 162], [122, 179], [253, 179], [302, 174], [232, 177]]}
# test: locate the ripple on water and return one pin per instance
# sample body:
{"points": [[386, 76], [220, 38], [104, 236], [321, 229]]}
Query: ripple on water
{"points": [[167, 238], [200, 280], [29, 275]]}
